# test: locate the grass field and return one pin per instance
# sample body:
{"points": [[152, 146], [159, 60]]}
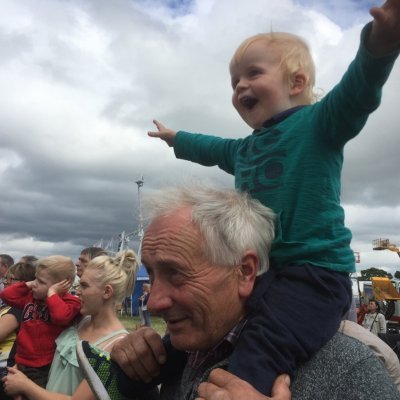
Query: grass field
{"points": [[132, 323]]}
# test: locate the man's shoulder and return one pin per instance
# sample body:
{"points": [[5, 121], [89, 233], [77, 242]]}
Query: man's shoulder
{"points": [[343, 368], [341, 352]]}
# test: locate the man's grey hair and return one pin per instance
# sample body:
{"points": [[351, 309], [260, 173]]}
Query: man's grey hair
{"points": [[230, 222]]}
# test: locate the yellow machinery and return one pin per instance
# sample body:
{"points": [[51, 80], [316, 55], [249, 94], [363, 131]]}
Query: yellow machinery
{"points": [[384, 244], [387, 290], [383, 289]]}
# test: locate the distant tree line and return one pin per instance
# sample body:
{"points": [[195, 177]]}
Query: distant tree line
{"points": [[367, 274]]}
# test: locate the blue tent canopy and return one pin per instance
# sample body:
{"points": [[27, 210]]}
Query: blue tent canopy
{"points": [[132, 302], [142, 274]]}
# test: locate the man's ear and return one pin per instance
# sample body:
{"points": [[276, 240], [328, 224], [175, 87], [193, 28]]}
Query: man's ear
{"points": [[108, 291], [298, 82], [247, 273]]}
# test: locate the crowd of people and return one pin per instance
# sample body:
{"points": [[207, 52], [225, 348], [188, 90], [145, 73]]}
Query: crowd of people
{"points": [[253, 283], [41, 320]]}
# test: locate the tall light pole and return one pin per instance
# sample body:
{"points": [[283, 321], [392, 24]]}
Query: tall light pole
{"points": [[139, 184]]}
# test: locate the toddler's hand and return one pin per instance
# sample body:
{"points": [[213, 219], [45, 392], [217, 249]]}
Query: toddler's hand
{"points": [[164, 133], [385, 34], [59, 288], [29, 284]]}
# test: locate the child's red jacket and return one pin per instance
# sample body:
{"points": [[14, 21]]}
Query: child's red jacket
{"points": [[42, 321]]}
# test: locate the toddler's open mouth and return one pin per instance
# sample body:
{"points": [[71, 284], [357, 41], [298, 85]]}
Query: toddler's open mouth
{"points": [[248, 102]]}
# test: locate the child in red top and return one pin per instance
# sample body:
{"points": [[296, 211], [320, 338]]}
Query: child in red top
{"points": [[48, 309]]}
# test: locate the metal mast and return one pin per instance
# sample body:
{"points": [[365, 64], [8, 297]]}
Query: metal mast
{"points": [[139, 184]]}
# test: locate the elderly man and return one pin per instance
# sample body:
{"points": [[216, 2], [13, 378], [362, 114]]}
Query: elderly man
{"points": [[203, 250]]}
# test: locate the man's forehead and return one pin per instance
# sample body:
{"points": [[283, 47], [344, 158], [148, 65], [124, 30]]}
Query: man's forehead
{"points": [[176, 219], [171, 233]]}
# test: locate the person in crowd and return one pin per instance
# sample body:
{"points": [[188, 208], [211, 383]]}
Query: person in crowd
{"points": [[28, 259], [143, 311], [292, 163], [361, 313], [10, 319], [47, 310], [105, 281], [5, 262], [203, 250], [86, 255], [374, 320]]}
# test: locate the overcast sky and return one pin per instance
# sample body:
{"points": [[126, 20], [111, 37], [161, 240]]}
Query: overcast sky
{"points": [[81, 81]]}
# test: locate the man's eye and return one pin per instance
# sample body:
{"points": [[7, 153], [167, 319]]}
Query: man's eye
{"points": [[177, 278]]}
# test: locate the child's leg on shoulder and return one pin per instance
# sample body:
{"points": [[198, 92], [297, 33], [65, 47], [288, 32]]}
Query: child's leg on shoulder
{"points": [[39, 375], [293, 313]]}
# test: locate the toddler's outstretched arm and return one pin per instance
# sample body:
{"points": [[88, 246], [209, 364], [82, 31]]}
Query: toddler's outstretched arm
{"points": [[385, 33], [164, 133]]}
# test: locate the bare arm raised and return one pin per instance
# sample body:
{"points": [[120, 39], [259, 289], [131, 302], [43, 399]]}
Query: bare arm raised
{"points": [[164, 133], [385, 33]]}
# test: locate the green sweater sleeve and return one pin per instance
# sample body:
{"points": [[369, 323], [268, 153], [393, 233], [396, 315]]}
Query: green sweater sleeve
{"points": [[207, 150], [343, 112]]}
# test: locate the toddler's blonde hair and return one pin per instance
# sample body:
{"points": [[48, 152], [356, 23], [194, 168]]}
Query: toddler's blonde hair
{"points": [[294, 57], [58, 267]]}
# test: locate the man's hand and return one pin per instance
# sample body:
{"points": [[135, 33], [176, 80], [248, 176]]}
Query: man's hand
{"points": [[223, 385], [164, 133], [59, 288], [385, 33], [140, 354]]}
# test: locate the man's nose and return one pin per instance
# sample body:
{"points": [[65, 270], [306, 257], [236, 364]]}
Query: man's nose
{"points": [[159, 297]]}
